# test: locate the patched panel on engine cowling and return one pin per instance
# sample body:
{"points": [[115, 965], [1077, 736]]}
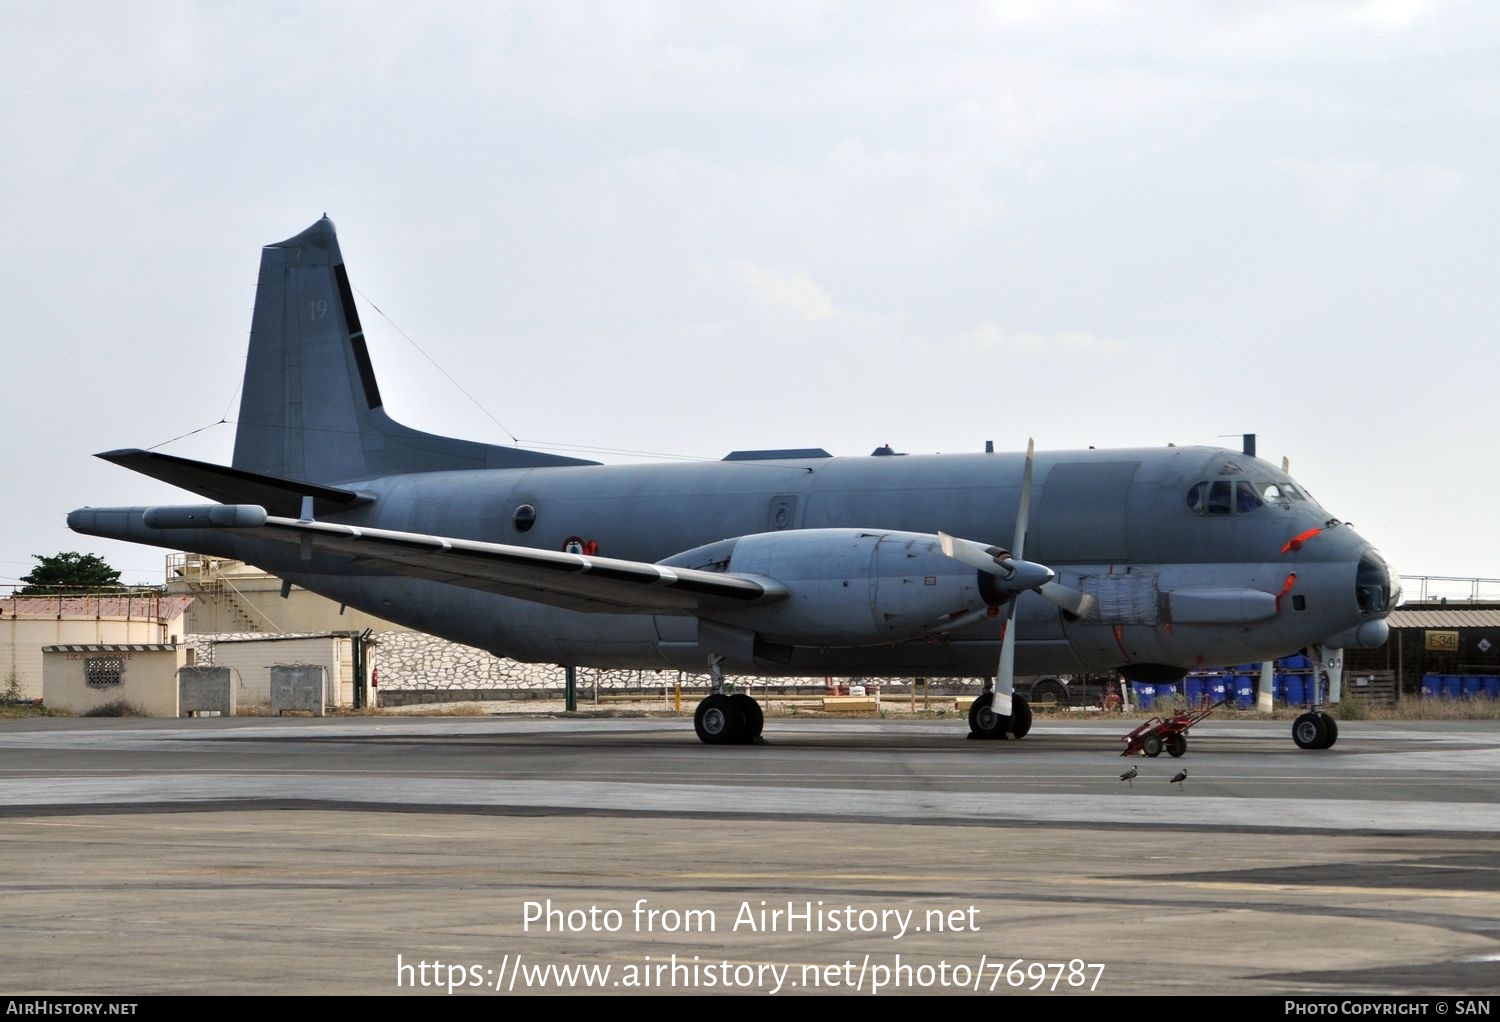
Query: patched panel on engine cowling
{"points": [[1125, 599]]}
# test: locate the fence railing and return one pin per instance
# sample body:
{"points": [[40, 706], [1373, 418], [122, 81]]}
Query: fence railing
{"points": [[1449, 588]]}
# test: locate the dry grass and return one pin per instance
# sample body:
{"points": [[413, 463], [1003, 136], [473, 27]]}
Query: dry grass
{"points": [[117, 708], [22, 711], [421, 710]]}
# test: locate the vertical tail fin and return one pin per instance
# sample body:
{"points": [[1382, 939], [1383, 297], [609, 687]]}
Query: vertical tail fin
{"points": [[310, 408]]}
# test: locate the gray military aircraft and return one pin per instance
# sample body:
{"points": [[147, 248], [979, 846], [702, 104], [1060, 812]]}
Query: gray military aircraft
{"points": [[1149, 562]]}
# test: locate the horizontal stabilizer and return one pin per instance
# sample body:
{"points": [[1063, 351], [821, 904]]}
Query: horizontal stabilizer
{"points": [[237, 486]]}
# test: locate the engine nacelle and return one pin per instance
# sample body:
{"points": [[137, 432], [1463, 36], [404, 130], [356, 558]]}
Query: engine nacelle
{"points": [[845, 587]]}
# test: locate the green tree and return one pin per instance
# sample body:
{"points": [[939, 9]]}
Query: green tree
{"points": [[71, 572]]}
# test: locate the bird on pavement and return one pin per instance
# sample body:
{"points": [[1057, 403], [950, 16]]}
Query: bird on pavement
{"points": [[1181, 776], [1130, 775]]}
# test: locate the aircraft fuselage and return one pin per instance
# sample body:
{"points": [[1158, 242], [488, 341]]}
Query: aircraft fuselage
{"points": [[1176, 583]]}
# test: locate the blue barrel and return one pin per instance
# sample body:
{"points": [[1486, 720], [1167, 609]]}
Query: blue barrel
{"points": [[1492, 686], [1218, 690], [1194, 691], [1471, 686], [1294, 690], [1245, 691], [1296, 663], [1432, 684], [1452, 686], [1145, 695], [1168, 690]]}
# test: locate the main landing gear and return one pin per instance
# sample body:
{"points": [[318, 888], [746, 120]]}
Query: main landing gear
{"points": [[986, 723], [723, 719], [1316, 730]]}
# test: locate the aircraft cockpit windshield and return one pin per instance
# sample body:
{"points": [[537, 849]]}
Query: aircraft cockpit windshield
{"points": [[1226, 497]]}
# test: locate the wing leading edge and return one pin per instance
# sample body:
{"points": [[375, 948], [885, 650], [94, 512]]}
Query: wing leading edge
{"points": [[573, 581]]}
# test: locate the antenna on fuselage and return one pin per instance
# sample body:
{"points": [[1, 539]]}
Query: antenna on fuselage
{"points": [[1247, 443]]}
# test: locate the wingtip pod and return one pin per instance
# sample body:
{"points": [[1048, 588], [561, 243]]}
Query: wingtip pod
{"points": [[205, 516], [147, 524], [110, 522]]}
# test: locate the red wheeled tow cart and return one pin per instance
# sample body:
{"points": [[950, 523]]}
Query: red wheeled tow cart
{"points": [[1160, 733]]}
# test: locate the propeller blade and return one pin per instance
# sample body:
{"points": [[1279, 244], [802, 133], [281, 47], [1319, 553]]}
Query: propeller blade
{"points": [[976, 555], [1005, 678], [1071, 600], [1014, 572], [1022, 512]]}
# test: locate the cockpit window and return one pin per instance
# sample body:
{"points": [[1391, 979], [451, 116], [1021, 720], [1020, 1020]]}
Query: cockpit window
{"points": [[1211, 498], [1374, 585], [1222, 497], [1272, 495], [1245, 497]]}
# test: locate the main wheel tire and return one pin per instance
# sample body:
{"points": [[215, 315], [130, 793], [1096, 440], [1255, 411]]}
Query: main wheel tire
{"points": [[1175, 745], [1151, 745], [755, 719], [1333, 730], [984, 722], [718, 720], [1020, 716], [1310, 731]]}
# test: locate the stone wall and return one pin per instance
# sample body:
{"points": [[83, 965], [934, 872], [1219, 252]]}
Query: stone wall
{"points": [[414, 662]]}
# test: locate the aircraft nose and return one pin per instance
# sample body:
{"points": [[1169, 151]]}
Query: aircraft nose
{"points": [[1376, 587]]}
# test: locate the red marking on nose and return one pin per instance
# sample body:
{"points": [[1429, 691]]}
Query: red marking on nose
{"points": [[1295, 543]]}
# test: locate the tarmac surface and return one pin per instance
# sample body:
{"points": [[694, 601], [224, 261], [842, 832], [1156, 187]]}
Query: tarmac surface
{"points": [[616, 854]]}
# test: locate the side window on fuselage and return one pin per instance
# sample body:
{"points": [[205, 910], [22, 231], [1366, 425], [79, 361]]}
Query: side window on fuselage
{"points": [[1197, 500], [1215, 498]]}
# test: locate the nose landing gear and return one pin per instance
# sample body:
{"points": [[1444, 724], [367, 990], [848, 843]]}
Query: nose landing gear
{"points": [[1316, 729]]}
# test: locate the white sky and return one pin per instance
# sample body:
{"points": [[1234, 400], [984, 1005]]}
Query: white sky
{"points": [[693, 227]]}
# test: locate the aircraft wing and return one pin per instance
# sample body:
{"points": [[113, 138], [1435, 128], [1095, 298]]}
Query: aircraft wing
{"points": [[575, 581]]}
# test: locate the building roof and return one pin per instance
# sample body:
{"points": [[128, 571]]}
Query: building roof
{"points": [[151, 607], [1448, 616], [278, 636], [113, 647]]}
